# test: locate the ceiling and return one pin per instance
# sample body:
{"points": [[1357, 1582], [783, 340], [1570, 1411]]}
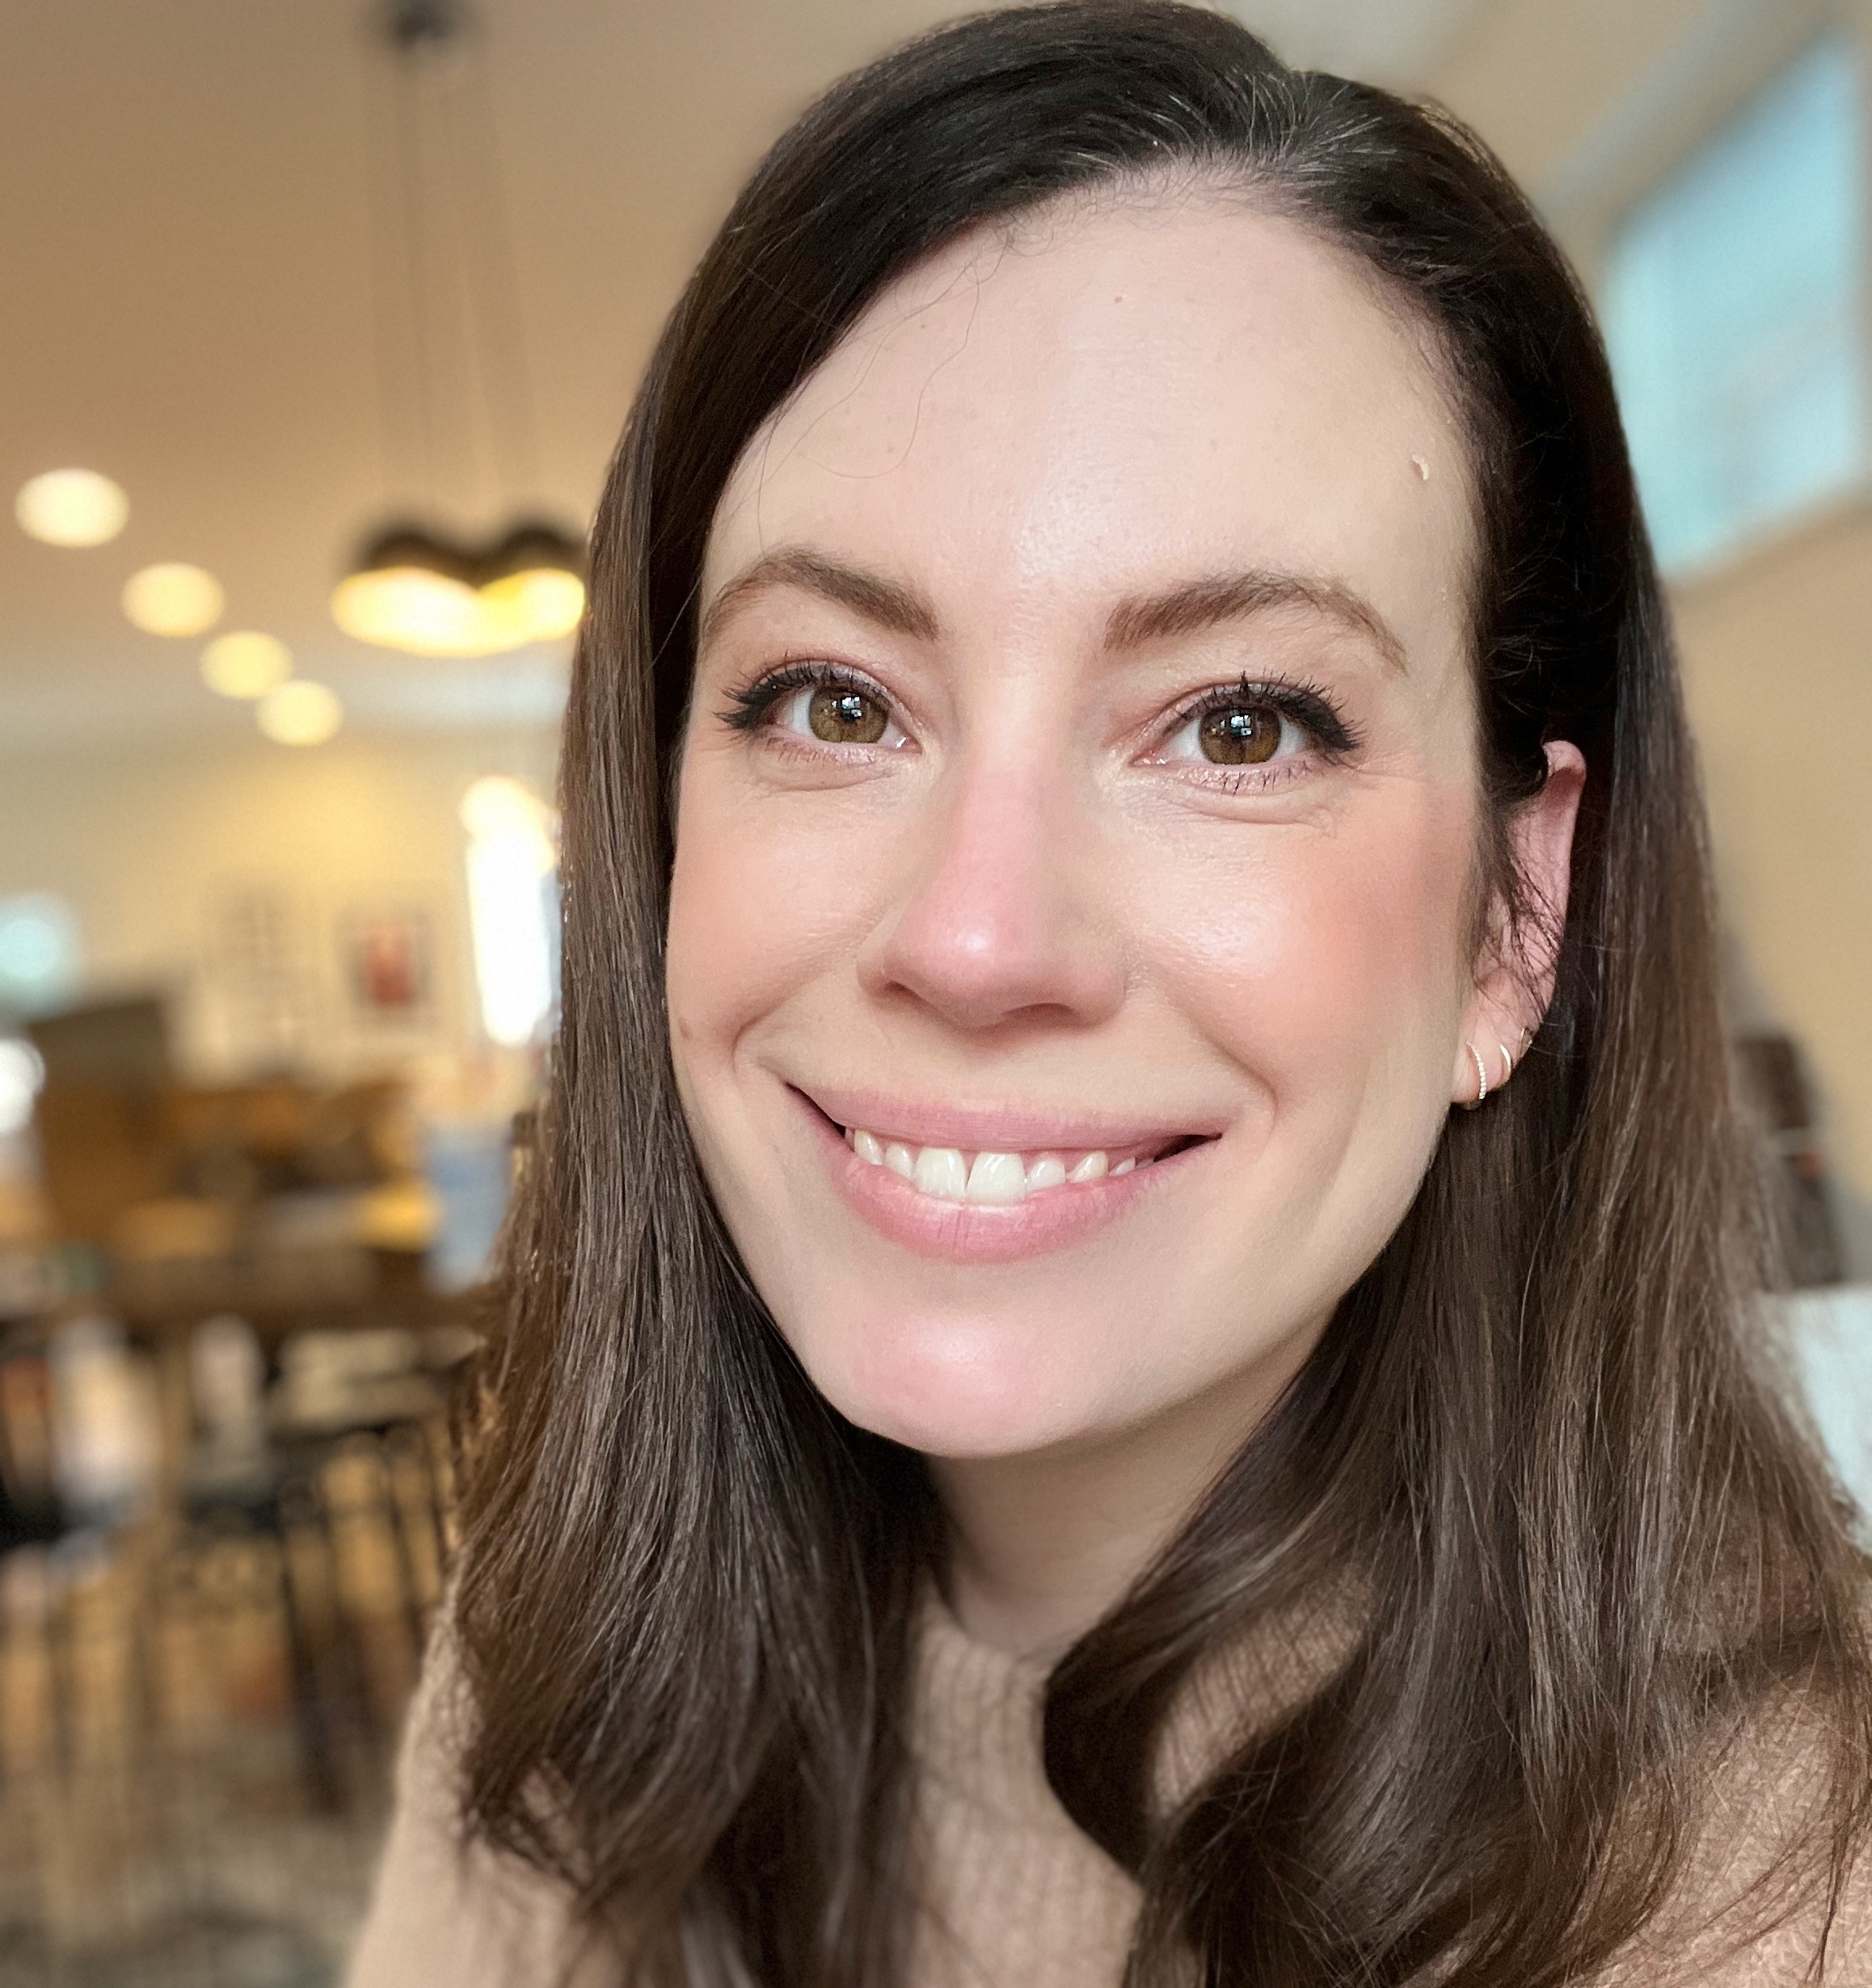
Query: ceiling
{"points": [[187, 221]]}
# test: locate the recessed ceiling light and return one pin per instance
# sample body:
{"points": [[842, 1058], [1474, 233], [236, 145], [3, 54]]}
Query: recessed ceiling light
{"points": [[245, 663], [300, 714], [173, 600], [71, 508]]}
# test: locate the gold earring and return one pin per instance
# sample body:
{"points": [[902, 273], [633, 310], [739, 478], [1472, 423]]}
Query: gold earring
{"points": [[1507, 1065], [1481, 1076]]}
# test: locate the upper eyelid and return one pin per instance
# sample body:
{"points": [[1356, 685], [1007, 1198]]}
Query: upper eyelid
{"points": [[1313, 708], [754, 702], [1270, 690]]}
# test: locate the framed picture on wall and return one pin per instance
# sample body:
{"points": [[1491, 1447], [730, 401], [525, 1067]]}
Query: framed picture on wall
{"points": [[388, 962]]}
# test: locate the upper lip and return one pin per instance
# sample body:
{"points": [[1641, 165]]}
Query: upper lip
{"points": [[998, 1128]]}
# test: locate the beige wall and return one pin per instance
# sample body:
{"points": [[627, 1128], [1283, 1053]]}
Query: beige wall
{"points": [[1777, 669], [1587, 103], [158, 852]]}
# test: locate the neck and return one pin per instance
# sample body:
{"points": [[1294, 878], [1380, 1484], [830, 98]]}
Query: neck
{"points": [[1045, 1543]]}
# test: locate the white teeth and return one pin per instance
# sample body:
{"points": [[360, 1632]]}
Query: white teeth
{"points": [[940, 1172], [991, 1179], [997, 1177]]}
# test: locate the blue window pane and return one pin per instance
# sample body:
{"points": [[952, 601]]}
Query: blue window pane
{"points": [[39, 953], [1732, 305]]}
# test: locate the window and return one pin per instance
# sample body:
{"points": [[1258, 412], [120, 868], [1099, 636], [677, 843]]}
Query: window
{"points": [[513, 908], [39, 953], [1732, 308]]}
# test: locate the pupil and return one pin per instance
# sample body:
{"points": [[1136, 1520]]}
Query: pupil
{"points": [[1241, 738], [845, 717]]}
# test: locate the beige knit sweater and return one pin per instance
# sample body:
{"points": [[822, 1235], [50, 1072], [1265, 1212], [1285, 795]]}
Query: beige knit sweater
{"points": [[1017, 1897]]}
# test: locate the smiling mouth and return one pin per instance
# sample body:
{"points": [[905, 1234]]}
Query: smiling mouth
{"points": [[989, 1179]]}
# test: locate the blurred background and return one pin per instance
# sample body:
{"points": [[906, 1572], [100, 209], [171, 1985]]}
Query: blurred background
{"points": [[321, 321]]}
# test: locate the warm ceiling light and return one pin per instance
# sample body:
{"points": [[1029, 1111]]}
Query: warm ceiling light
{"points": [[245, 663], [173, 600], [300, 712], [411, 592], [71, 508], [545, 600], [410, 608]]}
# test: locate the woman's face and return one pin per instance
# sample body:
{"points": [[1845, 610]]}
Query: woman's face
{"points": [[1071, 938]]}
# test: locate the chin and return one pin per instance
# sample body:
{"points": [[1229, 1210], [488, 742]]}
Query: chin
{"points": [[953, 1387]]}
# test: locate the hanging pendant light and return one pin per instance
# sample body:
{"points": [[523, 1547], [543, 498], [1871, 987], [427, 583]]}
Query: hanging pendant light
{"points": [[415, 587], [410, 590]]}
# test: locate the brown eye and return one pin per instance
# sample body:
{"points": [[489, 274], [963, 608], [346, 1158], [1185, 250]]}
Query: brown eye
{"points": [[1243, 735], [842, 716]]}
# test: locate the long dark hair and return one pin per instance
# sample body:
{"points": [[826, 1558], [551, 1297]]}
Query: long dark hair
{"points": [[1538, 1440]]}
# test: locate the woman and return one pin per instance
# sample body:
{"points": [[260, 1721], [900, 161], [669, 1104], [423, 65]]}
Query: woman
{"points": [[1128, 1353]]}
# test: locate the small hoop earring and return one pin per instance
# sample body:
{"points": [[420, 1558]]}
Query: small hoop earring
{"points": [[1507, 1065], [1481, 1076]]}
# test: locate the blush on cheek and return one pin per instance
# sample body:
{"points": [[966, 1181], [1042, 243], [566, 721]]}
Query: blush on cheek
{"points": [[1314, 963], [1383, 936]]}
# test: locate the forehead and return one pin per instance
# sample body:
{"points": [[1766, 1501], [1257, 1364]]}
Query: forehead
{"points": [[1110, 398]]}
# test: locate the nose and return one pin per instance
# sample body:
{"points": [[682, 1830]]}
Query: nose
{"points": [[1000, 922]]}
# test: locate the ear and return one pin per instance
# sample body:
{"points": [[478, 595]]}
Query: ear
{"points": [[1515, 975]]}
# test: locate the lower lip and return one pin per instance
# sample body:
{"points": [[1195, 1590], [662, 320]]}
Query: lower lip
{"points": [[961, 1232]]}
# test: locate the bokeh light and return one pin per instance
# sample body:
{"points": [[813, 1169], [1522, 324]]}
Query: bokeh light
{"points": [[21, 1074], [513, 906], [71, 508], [497, 805], [545, 601], [429, 613], [172, 599], [39, 953], [300, 712], [245, 664]]}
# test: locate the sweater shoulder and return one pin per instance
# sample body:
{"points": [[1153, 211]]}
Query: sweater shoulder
{"points": [[446, 1909], [1759, 1902]]}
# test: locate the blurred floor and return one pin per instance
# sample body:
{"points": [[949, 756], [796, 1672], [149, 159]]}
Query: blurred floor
{"points": [[197, 1728]]}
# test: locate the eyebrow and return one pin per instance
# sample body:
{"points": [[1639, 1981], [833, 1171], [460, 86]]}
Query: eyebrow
{"points": [[1185, 609], [1200, 603], [887, 604]]}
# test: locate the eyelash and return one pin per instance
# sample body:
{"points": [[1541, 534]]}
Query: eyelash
{"points": [[1308, 705], [750, 707]]}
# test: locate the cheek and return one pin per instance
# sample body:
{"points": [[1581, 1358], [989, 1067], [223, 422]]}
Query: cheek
{"points": [[1328, 959], [762, 898], [723, 923], [712, 942]]}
